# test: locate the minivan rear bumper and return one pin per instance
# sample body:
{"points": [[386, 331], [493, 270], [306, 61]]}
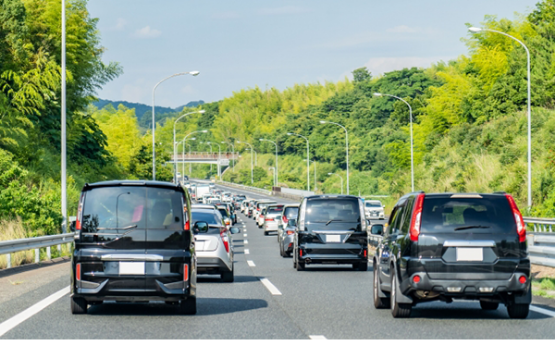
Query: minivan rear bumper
{"points": [[339, 254]]}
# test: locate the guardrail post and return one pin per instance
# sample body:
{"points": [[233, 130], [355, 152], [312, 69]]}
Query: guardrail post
{"points": [[550, 230], [59, 248], [535, 227], [48, 253], [9, 259], [37, 257]]}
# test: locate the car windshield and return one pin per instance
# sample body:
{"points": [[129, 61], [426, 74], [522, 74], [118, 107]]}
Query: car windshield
{"points": [[332, 214], [471, 215], [373, 205]]}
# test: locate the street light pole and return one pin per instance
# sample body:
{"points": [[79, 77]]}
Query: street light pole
{"points": [[185, 138], [307, 158], [63, 122], [175, 148], [232, 154], [341, 178], [183, 157], [252, 166], [346, 149], [411, 140], [210, 145], [219, 156], [193, 73], [276, 169], [476, 30]]}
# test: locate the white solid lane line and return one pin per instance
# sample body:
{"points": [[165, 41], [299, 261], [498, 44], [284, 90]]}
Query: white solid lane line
{"points": [[317, 337], [251, 263], [12, 322], [247, 252], [273, 289], [542, 311]]}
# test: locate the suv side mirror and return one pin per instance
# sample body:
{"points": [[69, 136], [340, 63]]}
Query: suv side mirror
{"points": [[200, 227], [72, 226], [292, 223], [377, 229]]}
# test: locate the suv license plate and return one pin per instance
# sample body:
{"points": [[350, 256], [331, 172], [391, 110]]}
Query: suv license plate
{"points": [[470, 254], [333, 238], [132, 268]]}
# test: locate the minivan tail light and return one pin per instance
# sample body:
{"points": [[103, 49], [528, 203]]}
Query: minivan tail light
{"points": [[520, 226], [185, 272], [187, 226], [416, 218], [79, 213], [78, 271]]}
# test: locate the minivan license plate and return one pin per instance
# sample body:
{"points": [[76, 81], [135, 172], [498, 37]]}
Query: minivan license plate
{"points": [[333, 238], [132, 268], [470, 254]]}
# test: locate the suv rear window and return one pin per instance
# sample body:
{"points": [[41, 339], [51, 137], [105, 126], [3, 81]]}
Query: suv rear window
{"points": [[291, 212], [275, 210], [332, 213], [453, 215]]}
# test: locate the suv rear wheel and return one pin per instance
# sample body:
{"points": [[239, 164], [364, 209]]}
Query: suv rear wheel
{"points": [[518, 310], [78, 306], [487, 305], [398, 310]]}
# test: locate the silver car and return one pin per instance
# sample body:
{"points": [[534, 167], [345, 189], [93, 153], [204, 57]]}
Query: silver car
{"points": [[285, 233], [261, 208], [214, 248], [287, 239], [272, 215]]}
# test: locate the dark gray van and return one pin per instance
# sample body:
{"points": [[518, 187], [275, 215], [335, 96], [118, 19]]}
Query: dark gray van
{"points": [[134, 242]]}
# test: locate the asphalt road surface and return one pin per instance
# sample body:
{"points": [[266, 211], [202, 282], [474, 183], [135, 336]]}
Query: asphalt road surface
{"points": [[268, 299]]}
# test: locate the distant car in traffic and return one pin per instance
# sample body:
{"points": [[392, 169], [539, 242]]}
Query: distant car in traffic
{"points": [[331, 229], [453, 246], [374, 209], [272, 215], [134, 242]]}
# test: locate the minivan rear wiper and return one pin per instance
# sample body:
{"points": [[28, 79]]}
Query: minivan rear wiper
{"points": [[333, 221], [472, 227]]}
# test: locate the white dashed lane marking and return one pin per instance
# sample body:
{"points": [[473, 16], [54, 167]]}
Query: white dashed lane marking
{"points": [[247, 252], [251, 263], [317, 337], [246, 242], [244, 235], [271, 288]]}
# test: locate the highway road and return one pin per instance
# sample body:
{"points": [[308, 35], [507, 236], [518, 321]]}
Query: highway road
{"points": [[268, 299]]}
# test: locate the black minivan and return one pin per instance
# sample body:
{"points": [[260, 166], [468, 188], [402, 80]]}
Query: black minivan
{"points": [[453, 246], [134, 243], [331, 230]]}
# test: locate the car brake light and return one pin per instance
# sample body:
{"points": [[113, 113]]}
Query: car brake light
{"points": [[520, 226], [261, 216], [416, 218], [225, 240], [185, 272], [269, 219], [416, 279], [300, 252], [365, 253], [522, 279], [78, 271], [79, 210], [290, 232], [187, 226]]}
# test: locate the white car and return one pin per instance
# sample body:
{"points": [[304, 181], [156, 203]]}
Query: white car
{"points": [[373, 209]]}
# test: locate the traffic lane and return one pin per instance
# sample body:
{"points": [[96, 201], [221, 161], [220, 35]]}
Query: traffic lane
{"points": [[323, 297], [254, 195], [22, 290], [243, 309]]}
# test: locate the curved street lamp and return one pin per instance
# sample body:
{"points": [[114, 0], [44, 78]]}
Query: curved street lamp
{"points": [[193, 73], [346, 149], [276, 169], [307, 158], [411, 143], [175, 148], [341, 178], [478, 29]]}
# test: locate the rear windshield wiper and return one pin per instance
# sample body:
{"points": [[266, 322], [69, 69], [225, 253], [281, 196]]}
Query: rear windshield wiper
{"points": [[328, 222], [472, 227]]}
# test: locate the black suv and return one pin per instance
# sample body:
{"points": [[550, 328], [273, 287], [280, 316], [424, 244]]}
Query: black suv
{"points": [[331, 230], [134, 243], [453, 246]]}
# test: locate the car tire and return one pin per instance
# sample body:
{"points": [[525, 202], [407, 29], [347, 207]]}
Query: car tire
{"points": [[518, 310], [281, 252], [188, 307], [379, 303], [487, 305], [78, 306], [227, 276], [398, 310]]}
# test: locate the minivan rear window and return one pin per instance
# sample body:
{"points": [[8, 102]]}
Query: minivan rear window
{"points": [[332, 214], [291, 212], [164, 208], [467, 215]]}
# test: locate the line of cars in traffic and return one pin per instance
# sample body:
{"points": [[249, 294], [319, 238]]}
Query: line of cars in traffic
{"points": [[146, 241], [434, 247]]}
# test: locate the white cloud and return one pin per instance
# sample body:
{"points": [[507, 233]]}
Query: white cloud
{"points": [[120, 24], [283, 10], [188, 90], [403, 29], [147, 32], [387, 64]]}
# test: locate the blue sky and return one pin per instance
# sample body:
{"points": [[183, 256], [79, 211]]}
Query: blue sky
{"points": [[241, 44]]}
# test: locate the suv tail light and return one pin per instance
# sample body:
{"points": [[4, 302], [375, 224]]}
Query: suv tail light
{"points": [[225, 239], [79, 213], [520, 226], [416, 218], [78, 271], [187, 226], [185, 272]]}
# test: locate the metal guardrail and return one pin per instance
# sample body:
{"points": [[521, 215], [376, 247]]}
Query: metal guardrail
{"points": [[541, 224], [9, 247]]}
